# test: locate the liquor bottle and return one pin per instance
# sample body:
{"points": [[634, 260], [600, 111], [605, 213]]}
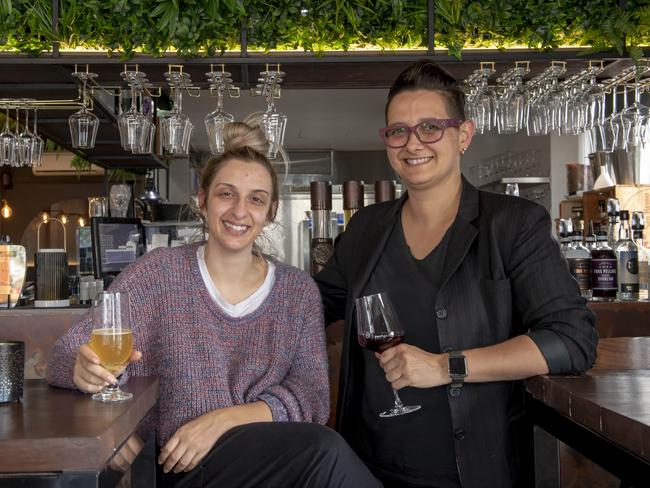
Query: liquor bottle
{"points": [[638, 225], [322, 245], [352, 199], [604, 280], [602, 214], [590, 238], [627, 256], [613, 211], [566, 227], [579, 259]]}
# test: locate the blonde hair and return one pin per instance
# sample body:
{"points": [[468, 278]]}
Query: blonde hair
{"points": [[246, 142]]}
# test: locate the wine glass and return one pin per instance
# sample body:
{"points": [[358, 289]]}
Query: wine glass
{"points": [[111, 339], [8, 143], [134, 126], [176, 127], [377, 330], [216, 121], [83, 124], [273, 123]]}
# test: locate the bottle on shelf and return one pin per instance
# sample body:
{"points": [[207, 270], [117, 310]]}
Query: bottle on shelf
{"points": [[602, 214], [627, 255], [638, 226], [604, 280], [613, 211], [579, 259], [590, 238], [566, 227]]}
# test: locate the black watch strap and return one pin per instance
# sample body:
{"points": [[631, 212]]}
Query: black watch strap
{"points": [[457, 368]]}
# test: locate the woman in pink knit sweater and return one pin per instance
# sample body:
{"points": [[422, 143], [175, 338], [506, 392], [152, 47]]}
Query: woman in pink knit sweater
{"points": [[237, 341]]}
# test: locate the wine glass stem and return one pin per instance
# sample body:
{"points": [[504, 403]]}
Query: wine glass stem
{"points": [[398, 400]]}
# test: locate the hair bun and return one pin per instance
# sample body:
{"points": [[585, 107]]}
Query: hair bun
{"points": [[238, 135]]}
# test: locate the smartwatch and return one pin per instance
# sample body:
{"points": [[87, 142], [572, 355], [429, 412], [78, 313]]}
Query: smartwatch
{"points": [[457, 368]]}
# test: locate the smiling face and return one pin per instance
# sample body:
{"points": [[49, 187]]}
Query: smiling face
{"points": [[238, 204], [424, 165]]}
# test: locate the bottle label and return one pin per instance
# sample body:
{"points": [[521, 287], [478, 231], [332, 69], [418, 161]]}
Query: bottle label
{"points": [[603, 274], [581, 270], [628, 271]]}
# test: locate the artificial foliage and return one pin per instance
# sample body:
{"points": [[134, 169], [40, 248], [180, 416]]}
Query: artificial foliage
{"points": [[204, 28]]}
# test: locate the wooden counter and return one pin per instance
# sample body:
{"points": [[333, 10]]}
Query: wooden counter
{"points": [[605, 413], [63, 437]]}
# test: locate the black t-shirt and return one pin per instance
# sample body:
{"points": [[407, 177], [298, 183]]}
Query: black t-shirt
{"points": [[417, 448]]}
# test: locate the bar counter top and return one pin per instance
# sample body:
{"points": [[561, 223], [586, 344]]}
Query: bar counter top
{"points": [[610, 403]]}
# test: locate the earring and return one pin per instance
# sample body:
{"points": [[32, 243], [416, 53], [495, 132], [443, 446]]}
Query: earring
{"points": [[462, 150]]}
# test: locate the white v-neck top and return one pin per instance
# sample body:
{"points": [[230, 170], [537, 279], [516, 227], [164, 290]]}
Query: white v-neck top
{"points": [[246, 306]]}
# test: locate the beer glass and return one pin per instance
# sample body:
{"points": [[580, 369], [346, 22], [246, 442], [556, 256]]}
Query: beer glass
{"points": [[111, 339]]}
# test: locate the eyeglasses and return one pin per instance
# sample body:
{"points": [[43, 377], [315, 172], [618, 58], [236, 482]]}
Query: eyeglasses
{"points": [[427, 131]]}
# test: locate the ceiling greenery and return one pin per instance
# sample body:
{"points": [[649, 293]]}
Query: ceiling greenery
{"points": [[199, 28]]}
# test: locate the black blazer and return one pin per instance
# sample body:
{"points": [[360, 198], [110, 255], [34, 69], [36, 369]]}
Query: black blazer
{"points": [[503, 276]]}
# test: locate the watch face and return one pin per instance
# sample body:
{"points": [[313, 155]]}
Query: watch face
{"points": [[457, 366]]}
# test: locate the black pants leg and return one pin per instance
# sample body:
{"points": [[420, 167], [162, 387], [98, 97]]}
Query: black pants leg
{"points": [[277, 455]]}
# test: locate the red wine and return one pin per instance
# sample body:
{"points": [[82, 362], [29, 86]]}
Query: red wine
{"points": [[380, 342]]}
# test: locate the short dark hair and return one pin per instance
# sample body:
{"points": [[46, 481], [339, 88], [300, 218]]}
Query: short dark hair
{"points": [[427, 75]]}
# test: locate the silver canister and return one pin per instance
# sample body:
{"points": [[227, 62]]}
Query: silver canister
{"points": [[52, 286], [12, 370]]}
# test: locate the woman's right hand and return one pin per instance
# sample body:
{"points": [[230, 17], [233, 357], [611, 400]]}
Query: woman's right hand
{"points": [[89, 375]]}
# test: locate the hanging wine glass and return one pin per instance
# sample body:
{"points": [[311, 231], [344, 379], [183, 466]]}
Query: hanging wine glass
{"points": [[83, 124], [7, 142], [176, 127], [272, 122], [537, 119], [607, 129], [146, 104], [483, 101], [635, 118], [134, 126], [511, 106], [37, 143], [216, 120], [26, 143], [622, 123]]}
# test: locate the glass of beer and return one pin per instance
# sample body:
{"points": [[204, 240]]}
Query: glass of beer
{"points": [[111, 340]]}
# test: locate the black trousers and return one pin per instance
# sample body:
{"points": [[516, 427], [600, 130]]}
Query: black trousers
{"points": [[276, 455]]}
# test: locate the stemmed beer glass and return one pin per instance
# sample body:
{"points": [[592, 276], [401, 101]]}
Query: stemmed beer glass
{"points": [[111, 340], [377, 330]]}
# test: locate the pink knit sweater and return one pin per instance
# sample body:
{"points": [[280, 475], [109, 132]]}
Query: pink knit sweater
{"points": [[207, 360]]}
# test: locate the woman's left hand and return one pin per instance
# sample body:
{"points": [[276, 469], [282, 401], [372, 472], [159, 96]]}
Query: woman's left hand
{"points": [[192, 441], [406, 365]]}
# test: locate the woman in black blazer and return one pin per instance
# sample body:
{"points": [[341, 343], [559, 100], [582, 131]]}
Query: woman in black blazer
{"points": [[474, 275]]}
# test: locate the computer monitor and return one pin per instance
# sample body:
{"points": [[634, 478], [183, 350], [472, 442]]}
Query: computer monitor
{"points": [[117, 242]]}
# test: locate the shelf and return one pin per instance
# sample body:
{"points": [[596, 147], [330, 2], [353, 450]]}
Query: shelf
{"points": [[526, 180], [520, 180]]}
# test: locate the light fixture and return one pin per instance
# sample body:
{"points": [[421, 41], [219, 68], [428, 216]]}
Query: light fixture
{"points": [[64, 218], [82, 222], [6, 211], [45, 216]]}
